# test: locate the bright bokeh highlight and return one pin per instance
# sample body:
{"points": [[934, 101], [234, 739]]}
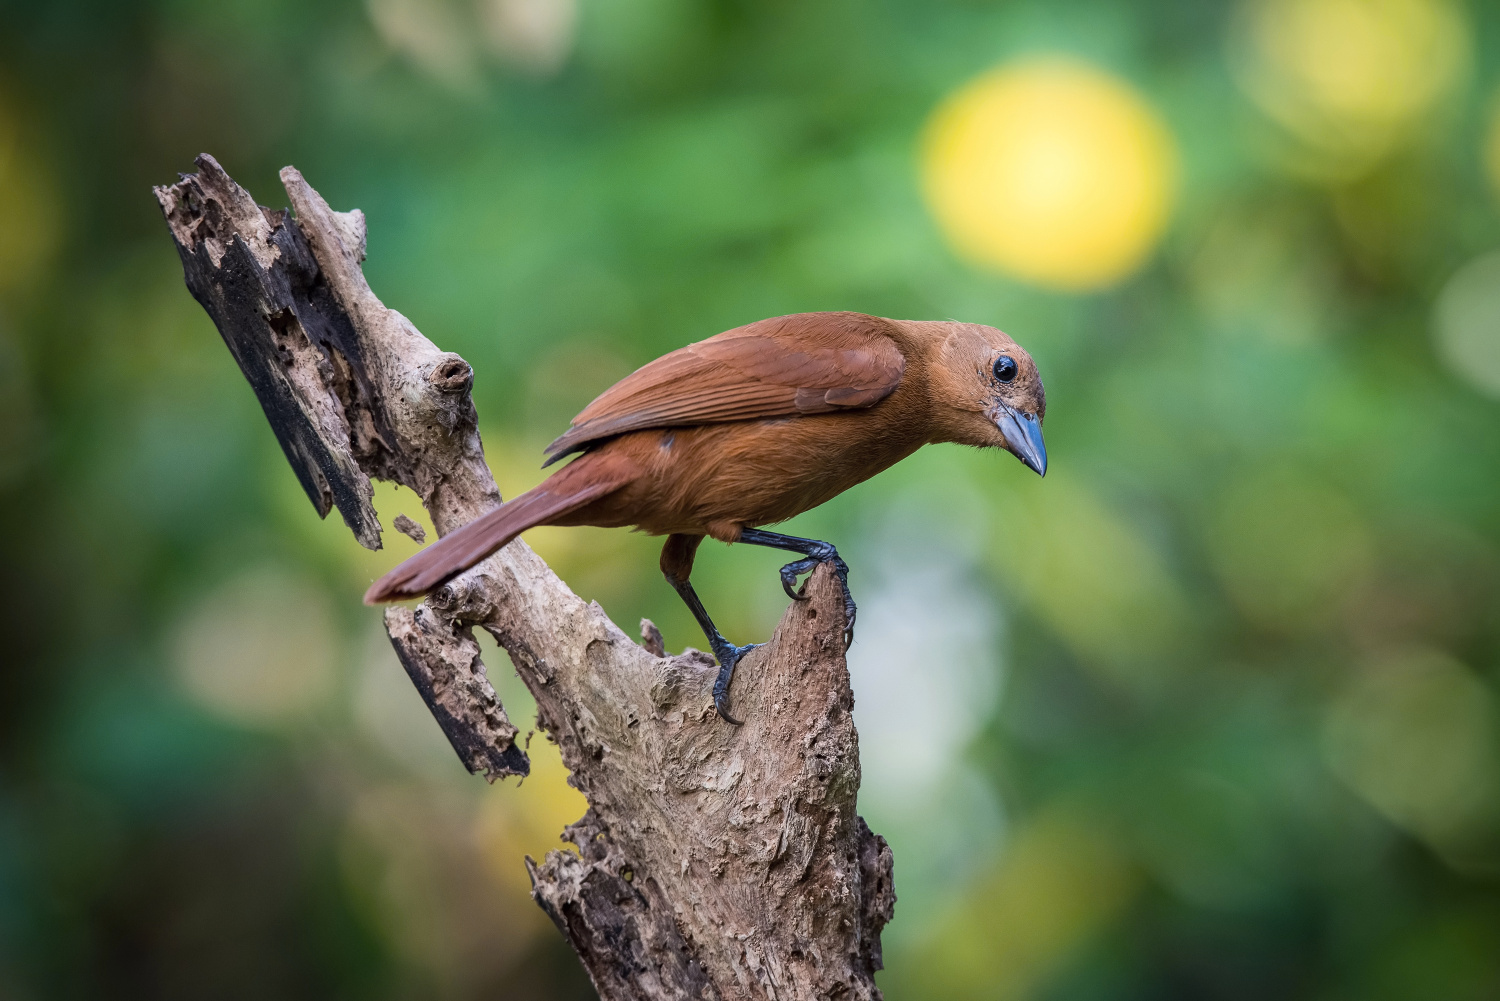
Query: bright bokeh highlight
{"points": [[1466, 324], [1050, 170], [1351, 80]]}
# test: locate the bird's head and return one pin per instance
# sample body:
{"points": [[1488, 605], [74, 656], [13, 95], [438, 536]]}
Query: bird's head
{"points": [[989, 393]]}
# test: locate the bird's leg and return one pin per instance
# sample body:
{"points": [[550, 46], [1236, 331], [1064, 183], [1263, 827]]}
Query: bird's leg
{"points": [[815, 552], [677, 566]]}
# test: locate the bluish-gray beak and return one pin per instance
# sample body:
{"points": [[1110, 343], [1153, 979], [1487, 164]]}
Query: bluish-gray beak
{"points": [[1023, 436]]}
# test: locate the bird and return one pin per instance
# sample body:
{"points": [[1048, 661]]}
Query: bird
{"points": [[751, 427]]}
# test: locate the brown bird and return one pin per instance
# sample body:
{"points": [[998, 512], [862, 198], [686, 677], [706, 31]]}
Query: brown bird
{"points": [[751, 427]]}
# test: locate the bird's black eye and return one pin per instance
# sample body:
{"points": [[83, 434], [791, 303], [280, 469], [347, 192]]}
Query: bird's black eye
{"points": [[1005, 368]]}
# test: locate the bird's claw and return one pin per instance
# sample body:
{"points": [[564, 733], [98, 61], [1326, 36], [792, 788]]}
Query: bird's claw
{"points": [[850, 610], [728, 656], [792, 571], [841, 569], [789, 575]]}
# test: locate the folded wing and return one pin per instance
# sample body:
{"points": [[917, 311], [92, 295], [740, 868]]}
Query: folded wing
{"points": [[807, 363]]}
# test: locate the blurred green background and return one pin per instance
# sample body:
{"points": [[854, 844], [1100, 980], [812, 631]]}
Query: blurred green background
{"points": [[1209, 712]]}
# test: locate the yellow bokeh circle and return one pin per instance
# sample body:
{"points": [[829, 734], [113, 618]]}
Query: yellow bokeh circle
{"points": [[1050, 170], [1350, 79]]}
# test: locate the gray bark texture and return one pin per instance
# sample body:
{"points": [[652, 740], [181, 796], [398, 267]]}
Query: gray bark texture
{"points": [[715, 861]]}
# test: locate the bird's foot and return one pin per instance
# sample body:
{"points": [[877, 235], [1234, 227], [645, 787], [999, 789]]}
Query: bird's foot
{"points": [[827, 554], [728, 655]]}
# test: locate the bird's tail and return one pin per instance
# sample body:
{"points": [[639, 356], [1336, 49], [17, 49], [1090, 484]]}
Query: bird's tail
{"points": [[566, 490]]}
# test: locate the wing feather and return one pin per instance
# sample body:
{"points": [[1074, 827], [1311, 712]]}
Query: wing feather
{"points": [[807, 363]]}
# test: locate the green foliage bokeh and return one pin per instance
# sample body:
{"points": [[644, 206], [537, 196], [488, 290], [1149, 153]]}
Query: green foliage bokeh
{"points": [[1209, 712]]}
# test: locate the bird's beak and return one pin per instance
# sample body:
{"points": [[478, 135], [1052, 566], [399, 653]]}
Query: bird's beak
{"points": [[1023, 436]]}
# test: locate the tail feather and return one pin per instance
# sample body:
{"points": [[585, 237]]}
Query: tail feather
{"points": [[459, 550]]}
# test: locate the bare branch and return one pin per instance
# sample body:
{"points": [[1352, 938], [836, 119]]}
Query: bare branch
{"points": [[717, 861]]}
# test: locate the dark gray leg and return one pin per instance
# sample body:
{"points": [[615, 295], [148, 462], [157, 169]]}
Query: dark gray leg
{"points": [[676, 566], [815, 552]]}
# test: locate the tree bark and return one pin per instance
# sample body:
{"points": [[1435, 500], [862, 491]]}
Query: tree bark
{"points": [[715, 861]]}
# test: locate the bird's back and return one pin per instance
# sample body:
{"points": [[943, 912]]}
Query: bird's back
{"points": [[787, 366], [714, 478]]}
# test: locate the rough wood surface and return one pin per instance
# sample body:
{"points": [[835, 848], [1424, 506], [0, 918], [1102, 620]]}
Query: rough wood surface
{"points": [[716, 861], [350, 389]]}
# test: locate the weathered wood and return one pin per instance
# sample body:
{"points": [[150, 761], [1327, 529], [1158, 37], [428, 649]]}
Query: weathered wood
{"points": [[257, 278], [442, 660], [339, 400], [716, 861]]}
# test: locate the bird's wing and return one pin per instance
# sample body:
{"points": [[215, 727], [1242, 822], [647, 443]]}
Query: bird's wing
{"points": [[808, 363]]}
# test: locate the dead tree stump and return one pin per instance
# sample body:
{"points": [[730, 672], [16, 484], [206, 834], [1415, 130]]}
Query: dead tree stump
{"points": [[716, 861]]}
